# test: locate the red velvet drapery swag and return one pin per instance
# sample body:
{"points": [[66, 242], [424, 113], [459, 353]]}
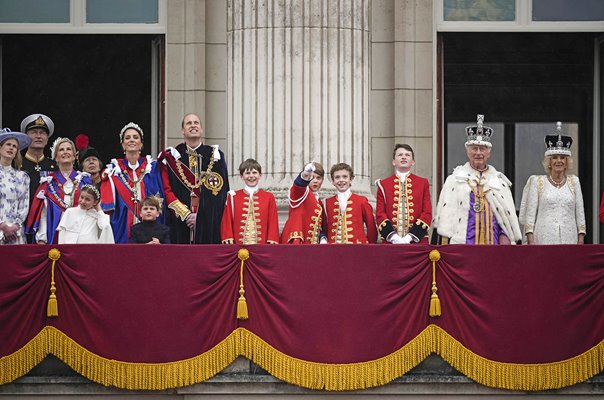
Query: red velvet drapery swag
{"points": [[327, 317]]}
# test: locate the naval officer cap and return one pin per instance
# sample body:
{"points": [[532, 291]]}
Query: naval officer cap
{"points": [[38, 121]]}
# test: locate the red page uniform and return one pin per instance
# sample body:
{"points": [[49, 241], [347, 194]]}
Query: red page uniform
{"points": [[349, 226], [305, 215], [404, 208], [250, 219]]}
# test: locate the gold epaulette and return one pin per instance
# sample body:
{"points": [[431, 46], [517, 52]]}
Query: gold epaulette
{"points": [[180, 209]]}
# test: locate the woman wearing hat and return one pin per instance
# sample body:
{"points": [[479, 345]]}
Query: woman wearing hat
{"points": [[127, 181], [57, 192], [552, 205], [14, 187]]}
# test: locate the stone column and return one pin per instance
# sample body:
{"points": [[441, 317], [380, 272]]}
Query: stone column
{"points": [[298, 88]]}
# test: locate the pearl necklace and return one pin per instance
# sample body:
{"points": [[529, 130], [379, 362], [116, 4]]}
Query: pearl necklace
{"points": [[556, 184]]}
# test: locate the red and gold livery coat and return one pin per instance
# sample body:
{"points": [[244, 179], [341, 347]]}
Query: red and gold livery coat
{"points": [[404, 207], [350, 226], [305, 217], [250, 219]]}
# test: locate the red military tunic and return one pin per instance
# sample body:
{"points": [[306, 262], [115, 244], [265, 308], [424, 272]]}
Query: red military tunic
{"points": [[305, 217], [403, 211], [250, 219], [350, 226]]}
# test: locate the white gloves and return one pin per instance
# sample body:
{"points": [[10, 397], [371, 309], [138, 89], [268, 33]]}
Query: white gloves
{"points": [[323, 240], [407, 239], [396, 239], [310, 167]]}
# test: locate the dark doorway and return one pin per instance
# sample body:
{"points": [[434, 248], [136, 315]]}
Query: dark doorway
{"points": [[91, 84], [523, 83]]}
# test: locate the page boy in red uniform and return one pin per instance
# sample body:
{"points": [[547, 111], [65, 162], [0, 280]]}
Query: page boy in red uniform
{"points": [[349, 216], [250, 214], [305, 209], [403, 206]]}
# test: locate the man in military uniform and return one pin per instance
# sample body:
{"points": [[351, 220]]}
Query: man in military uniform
{"points": [[39, 128], [195, 183]]}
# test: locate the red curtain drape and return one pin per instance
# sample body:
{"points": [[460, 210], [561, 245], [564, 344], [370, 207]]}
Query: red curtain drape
{"points": [[330, 305]]}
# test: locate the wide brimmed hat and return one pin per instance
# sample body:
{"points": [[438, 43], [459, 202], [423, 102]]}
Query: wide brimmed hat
{"points": [[558, 143], [38, 121], [22, 138], [479, 134]]}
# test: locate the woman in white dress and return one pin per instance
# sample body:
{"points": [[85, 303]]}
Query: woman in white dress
{"points": [[552, 205], [14, 187]]}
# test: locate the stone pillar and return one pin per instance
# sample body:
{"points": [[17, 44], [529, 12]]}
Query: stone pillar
{"points": [[298, 88]]}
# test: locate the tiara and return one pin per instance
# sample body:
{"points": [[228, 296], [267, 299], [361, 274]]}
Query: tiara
{"points": [[93, 189], [131, 125], [56, 143]]}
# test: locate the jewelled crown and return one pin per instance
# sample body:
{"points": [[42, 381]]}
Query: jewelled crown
{"points": [[479, 134], [558, 143]]}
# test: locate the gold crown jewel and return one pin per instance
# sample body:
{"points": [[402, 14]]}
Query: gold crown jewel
{"points": [[479, 134], [131, 125], [558, 143]]}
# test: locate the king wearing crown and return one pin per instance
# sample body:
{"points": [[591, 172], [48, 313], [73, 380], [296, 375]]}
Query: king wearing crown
{"points": [[476, 205]]}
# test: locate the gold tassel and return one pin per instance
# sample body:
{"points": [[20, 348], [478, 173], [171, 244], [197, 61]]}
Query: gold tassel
{"points": [[52, 310], [242, 313], [434, 300]]}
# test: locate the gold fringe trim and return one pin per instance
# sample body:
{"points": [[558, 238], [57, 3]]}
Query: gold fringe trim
{"points": [[149, 376], [512, 376]]}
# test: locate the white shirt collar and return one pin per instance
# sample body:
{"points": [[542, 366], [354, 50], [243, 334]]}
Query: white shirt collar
{"points": [[402, 175], [250, 190]]}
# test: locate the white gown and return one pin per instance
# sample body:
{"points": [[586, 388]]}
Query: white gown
{"points": [[554, 215], [81, 226]]}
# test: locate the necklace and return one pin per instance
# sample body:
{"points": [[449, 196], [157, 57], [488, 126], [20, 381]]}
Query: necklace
{"points": [[58, 198], [125, 178], [208, 177], [478, 199], [556, 184]]}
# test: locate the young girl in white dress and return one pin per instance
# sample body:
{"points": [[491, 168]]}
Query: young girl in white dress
{"points": [[86, 223]]}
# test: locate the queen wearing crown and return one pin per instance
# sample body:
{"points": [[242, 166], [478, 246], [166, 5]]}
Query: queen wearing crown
{"points": [[475, 205], [552, 205], [127, 181], [56, 193]]}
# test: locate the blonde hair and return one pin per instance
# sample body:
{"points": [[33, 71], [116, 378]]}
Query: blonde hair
{"points": [[547, 163], [55, 146]]}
